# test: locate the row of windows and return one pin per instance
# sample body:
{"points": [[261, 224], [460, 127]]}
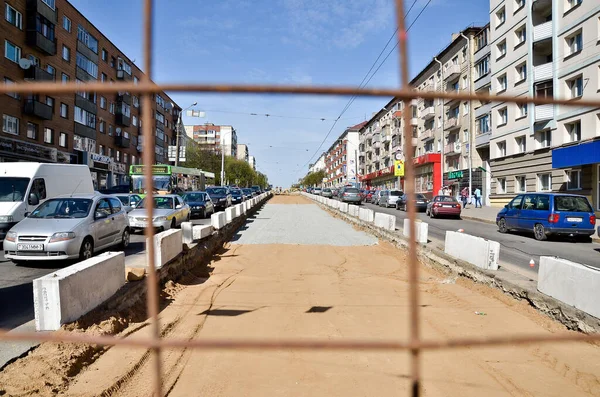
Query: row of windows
{"points": [[11, 124], [544, 182]]}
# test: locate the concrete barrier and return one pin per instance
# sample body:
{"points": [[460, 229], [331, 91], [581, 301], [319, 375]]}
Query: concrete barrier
{"points": [[385, 221], [335, 204], [167, 245], [343, 207], [475, 250], [422, 229], [218, 220], [353, 210], [67, 294], [191, 232], [238, 210], [230, 214], [366, 215], [570, 282]]}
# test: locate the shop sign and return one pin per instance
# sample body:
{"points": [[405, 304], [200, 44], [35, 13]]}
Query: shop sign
{"points": [[28, 149], [119, 168], [98, 158], [455, 175]]}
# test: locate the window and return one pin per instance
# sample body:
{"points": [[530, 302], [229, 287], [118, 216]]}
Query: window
{"points": [[64, 110], [11, 51], [465, 108], [103, 77], [574, 131], [48, 135], [544, 182], [521, 144], [39, 187], [481, 39], [10, 124], [501, 149], [502, 83], [502, 116], [545, 89], [64, 78], [84, 117], [522, 110], [84, 63], [574, 43], [31, 131], [135, 80], [104, 55], [50, 69], [521, 34], [66, 53], [576, 86], [123, 65], [113, 61], [118, 156], [112, 108], [110, 130], [519, 4], [125, 158], [134, 121], [544, 139], [572, 4], [160, 117], [66, 23], [482, 124], [573, 180], [521, 72], [101, 126], [125, 109], [102, 102], [15, 95], [136, 102], [520, 184], [35, 60], [500, 17], [501, 186], [62, 139], [49, 3], [14, 17], [90, 96], [482, 67], [86, 38], [44, 27], [501, 49]]}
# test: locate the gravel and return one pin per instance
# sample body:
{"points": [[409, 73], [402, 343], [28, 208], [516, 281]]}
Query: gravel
{"points": [[300, 225]]}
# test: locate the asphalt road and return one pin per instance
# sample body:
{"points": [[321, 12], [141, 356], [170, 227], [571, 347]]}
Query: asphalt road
{"points": [[16, 282], [515, 249]]}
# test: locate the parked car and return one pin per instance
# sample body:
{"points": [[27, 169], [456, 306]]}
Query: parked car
{"points": [[236, 195], [327, 193], [420, 202], [256, 189], [220, 197], [547, 214], [388, 198], [129, 201], [169, 212], [350, 195], [68, 227], [201, 205], [368, 196], [334, 192], [247, 193], [317, 191], [443, 205]]}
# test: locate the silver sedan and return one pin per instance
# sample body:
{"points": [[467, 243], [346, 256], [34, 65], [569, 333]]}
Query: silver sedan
{"points": [[169, 212]]}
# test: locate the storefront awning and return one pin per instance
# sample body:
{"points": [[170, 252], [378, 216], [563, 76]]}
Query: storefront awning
{"points": [[576, 155]]}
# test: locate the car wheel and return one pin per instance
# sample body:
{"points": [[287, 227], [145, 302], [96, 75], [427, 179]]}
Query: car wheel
{"points": [[173, 223], [125, 238], [539, 232], [502, 226], [87, 249], [431, 214], [202, 214]]}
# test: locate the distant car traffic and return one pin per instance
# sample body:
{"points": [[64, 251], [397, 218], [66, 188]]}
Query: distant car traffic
{"points": [[350, 195], [388, 198], [547, 214], [220, 197], [236, 195], [247, 193], [420, 202], [169, 212], [317, 191], [201, 206], [256, 189], [130, 201], [327, 192], [443, 206], [68, 227]]}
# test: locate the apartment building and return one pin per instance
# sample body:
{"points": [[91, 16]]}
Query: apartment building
{"points": [[242, 152], [208, 136], [252, 162], [545, 48], [50, 40], [317, 165], [341, 159], [229, 140]]}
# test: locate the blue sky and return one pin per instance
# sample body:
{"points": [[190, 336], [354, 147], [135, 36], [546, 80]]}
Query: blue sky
{"points": [[321, 42]]}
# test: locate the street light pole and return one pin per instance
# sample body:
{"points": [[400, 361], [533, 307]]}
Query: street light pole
{"points": [[443, 138], [179, 124]]}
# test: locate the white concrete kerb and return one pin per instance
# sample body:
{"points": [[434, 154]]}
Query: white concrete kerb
{"points": [[218, 220], [167, 245], [422, 230], [385, 221], [475, 250]]}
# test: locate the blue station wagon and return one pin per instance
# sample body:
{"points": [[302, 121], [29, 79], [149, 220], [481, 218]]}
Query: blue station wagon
{"points": [[547, 214]]}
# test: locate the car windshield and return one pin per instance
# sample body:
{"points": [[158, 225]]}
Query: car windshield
{"points": [[194, 197], [63, 208], [236, 191], [217, 191], [327, 190], [571, 203], [421, 197], [160, 203], [13, 189], [396, 193], [446, 199], [247, 191], [124, 199]]}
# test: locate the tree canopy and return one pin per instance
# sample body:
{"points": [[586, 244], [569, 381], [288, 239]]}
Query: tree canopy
{"points": [[314, 178]]}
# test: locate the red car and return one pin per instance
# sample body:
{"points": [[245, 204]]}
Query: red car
{"points": [[443, 206]]}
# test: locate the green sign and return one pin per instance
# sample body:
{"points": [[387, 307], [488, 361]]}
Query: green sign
{"points": [[156, 169], [455, 175]]}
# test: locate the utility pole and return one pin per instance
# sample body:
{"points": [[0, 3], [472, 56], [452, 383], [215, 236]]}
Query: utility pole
{"points": [[471, 115], [442, 139], [179, 127]]}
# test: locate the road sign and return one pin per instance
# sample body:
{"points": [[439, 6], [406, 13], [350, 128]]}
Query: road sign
{"points": [[399, 156], [399, 168], [171, 153]]}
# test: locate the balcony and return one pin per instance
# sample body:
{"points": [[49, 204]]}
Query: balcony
{"points": [[452, 72], [450, 101], [369, 135], [36, 73], [39, 7], [453, 148], [38, 109], [124, 97], [544, 112], [428, 112], [85, 131], [482, 140], [124, 76], [122, 119], [376, 137], [427, 135], [121, 141], [483, 81], [387, 138], [543, 72], [451, 123], [41, 42], [376, 144], [542, 31]]}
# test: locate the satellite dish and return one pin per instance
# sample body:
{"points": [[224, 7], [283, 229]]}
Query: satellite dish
{"points": [[25, 63]]}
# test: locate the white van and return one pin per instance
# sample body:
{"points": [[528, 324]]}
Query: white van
{"points": [[23, 186]]}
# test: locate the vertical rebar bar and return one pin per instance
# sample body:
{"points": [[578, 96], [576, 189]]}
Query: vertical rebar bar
{"points": [[148, 159], [409, 184]]}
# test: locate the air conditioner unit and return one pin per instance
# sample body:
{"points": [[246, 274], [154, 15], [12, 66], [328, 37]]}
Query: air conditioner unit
{"points": [[457, 146]]}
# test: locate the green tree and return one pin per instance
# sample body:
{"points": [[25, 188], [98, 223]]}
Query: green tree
{"points": [[314, 178]]}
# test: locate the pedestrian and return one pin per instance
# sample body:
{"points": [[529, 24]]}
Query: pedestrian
{"points": [[478, 198], [441, 191], [464, 193], [446, 191]]}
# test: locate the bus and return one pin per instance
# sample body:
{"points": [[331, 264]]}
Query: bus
{"points": [[168, 179]]}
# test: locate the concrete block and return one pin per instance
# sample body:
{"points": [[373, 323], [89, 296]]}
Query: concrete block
{"points": [[202, 231], [69, 293], [238, 210], [218, 220], [193, 233], [570, 282], [385, 221], [167, 245], [335, 204], [187, 234], [475, 250], [366, 215], [343, 207], [422, 229], [353, 210], [230, 214]]}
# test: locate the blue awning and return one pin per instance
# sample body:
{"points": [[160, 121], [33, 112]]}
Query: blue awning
{"points": [[576, 155]]}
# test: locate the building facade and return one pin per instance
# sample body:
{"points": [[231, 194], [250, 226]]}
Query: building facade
{"points": [[229, 140], [341, 160], [242, 152], [50, 40], [317, 165], [208, 136], [252, 162], [545, 48]]}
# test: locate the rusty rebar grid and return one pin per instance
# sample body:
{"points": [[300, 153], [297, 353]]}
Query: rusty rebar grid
{"points": [[415, 345]]}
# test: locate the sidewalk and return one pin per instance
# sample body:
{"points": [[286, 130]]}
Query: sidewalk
{"points": [[483, 214]]}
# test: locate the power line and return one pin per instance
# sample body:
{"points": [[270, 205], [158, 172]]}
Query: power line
{"points": [[276, 115]]}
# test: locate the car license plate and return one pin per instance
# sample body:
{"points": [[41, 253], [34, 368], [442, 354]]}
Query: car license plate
{"points": [[571, 219], [450, 206], [419, 202], [30, 247]]}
